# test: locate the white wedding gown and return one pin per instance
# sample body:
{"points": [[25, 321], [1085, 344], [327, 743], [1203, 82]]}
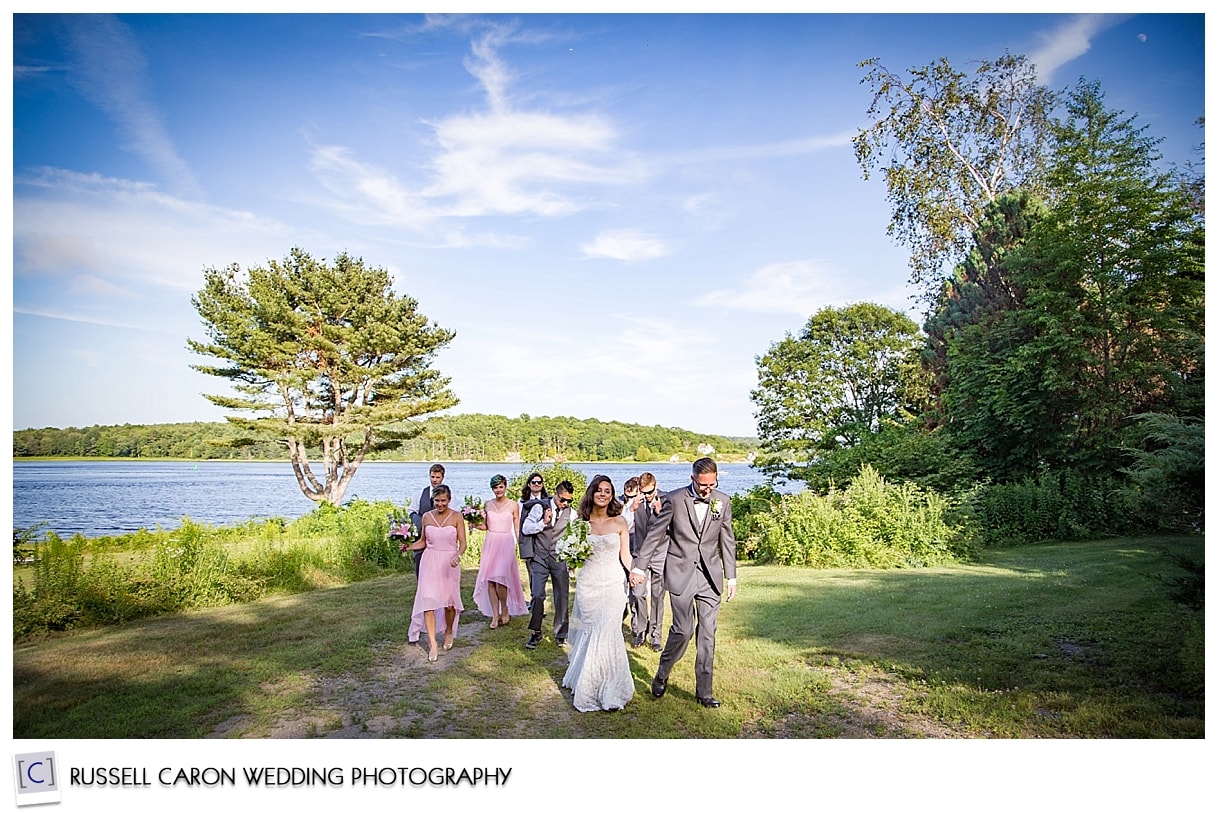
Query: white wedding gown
{"points": [[599, 671]]}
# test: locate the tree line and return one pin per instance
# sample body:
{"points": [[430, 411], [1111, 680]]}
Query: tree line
{"points": [[488, 438]]}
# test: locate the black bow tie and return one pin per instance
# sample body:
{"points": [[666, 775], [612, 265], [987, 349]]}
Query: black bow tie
{"points": [[702, 500]]}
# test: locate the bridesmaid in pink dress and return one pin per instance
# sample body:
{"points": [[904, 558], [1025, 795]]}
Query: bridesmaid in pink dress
{"points": [[497, 591], [439, 573]]}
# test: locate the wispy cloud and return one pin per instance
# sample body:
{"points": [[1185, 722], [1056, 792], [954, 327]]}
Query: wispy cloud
{"points": [[626, 244], [109, 70], [801, 287], [85, 319], [71, 225], [774, 149], [1069, 41], [505, 159]]}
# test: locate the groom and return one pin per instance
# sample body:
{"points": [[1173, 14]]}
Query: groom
{"points": [[699, 568]]}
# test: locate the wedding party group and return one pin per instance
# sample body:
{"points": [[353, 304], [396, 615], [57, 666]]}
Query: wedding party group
{"points": [[626, 552]]}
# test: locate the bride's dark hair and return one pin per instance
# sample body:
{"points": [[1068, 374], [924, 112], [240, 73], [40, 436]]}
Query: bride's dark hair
{"points": [[585, 505]]}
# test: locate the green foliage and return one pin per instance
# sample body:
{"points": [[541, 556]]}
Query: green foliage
{"points": [[23, 543], [747, 508], [952, 143], [869, 523], [1070, 317], [1167, 476], [489, 438], [898, 452], [850, 370], [83, 583], [1063, 505], [318, 353]]}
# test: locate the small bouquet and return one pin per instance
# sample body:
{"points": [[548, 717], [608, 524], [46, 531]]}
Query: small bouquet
{"points": [[403, 532], [573, 549], [473, 511]]}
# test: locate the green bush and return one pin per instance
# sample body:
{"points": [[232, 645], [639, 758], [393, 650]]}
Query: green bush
{"points": [[747, 508], [904, 453], [1167, 477], [1064, 505], [870, 523]]}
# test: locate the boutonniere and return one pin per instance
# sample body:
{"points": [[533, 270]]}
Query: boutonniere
{"points": [[716, 508]]}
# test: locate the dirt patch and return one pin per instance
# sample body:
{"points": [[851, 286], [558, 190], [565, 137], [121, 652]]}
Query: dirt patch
{"points": [[393, 699]]}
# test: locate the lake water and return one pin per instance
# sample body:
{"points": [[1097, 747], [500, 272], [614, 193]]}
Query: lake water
{"points": [[98, 498]]}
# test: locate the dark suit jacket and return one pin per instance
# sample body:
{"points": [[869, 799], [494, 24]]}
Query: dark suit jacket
{"points": [[425, 505], [711, 544]]}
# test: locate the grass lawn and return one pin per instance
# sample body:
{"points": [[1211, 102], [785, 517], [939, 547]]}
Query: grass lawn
{"points": [[1074, 640]]}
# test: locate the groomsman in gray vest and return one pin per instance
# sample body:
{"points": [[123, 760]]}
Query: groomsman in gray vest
{"points": [[545, 566], [700, 567], [436, 473]]}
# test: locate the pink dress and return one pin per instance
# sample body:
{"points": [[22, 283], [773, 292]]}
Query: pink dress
{"points": [[499, 565], [439, 582]]}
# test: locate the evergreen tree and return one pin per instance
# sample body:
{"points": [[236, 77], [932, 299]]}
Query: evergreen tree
{"points": [[326, 357]]}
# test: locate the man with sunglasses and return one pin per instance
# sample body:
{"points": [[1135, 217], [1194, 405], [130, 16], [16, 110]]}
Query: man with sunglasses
{"points": [[545, 566], [647, 599]]}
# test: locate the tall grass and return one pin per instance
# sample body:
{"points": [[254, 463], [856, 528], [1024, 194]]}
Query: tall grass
{"points": [[80, 582], [869, 523]]}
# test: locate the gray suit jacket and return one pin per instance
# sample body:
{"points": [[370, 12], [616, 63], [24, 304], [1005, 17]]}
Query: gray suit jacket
{"points": [[711, 543], [644, 518]]}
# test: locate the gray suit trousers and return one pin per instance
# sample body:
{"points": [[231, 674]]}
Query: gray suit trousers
{"points": [[541, 569], [647, 605], [694, 614]]}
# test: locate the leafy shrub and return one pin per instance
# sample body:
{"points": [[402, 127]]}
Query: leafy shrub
{"points": [[1167, 476], [1064, 505], [898, 453], [746, 510], [870, 523]]}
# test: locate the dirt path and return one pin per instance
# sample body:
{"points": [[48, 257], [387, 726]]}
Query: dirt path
{"points": [[391, 699]]}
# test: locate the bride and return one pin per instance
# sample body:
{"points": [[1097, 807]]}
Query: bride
{"points": [[599, 671]]}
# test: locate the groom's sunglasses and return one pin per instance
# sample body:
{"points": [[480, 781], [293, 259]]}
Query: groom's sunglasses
{"points": [[564, 500]]}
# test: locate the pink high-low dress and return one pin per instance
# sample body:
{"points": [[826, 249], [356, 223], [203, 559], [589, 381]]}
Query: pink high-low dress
{"points": [[439, 582], [499, 564]]}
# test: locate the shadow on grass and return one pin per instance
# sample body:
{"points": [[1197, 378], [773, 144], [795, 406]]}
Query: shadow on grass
{"points": [[1059, 641]]}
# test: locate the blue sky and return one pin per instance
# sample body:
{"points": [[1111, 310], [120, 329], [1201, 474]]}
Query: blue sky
{"points": [[616, 213]]}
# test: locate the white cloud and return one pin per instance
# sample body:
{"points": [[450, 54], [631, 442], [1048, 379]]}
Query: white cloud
{"points": [[629, 245], [501, 160], [125, 233], [1069, 41], [803, 287], [777, 149], [109, 69]]}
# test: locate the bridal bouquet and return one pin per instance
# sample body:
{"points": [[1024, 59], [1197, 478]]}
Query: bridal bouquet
{"points": [[473, 510], [573, 549], [403, 532]]}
